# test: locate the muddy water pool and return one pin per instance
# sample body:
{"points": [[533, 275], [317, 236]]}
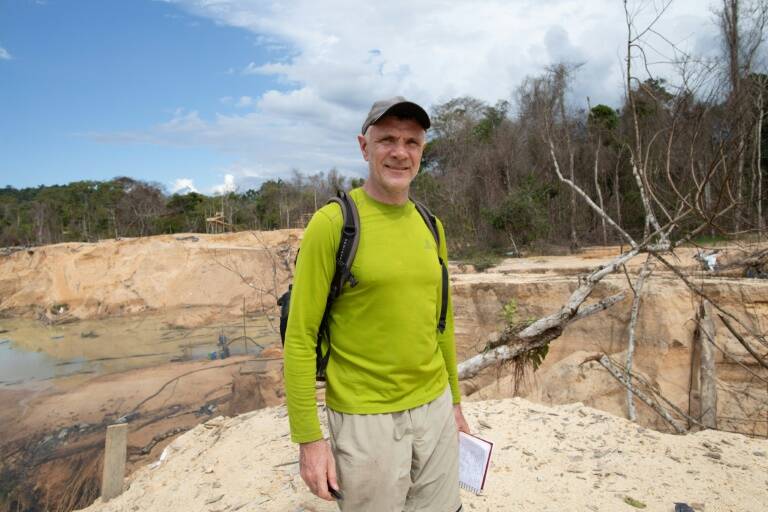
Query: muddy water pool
{"points": [[31, 351]]}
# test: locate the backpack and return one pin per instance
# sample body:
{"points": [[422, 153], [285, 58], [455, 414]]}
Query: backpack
{"points": [[345, 255]]}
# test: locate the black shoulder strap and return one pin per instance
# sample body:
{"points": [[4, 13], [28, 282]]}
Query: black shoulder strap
{"points": [[345, 255], [350, 238], [431, 222]]}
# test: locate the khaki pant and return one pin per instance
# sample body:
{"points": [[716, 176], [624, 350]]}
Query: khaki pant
{"points": [[403, 461]]}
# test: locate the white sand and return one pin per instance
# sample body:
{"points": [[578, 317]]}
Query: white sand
{"points": [[565, 458]]}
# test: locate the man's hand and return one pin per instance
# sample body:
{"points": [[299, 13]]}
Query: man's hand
{"points": [[461, 423], [318, 469]]}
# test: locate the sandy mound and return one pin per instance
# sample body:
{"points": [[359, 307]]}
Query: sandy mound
{"points": [[545, 459]]}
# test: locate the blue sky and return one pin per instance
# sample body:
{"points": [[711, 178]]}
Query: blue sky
{"points": [[217, 94], [101, 66]]}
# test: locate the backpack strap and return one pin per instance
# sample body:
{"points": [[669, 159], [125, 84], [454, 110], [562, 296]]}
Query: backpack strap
{"points": [[350, 239], [345, 255], [431, 221]]}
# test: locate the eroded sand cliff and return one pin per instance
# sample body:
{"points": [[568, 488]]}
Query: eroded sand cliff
{"points": [[198, 280]]}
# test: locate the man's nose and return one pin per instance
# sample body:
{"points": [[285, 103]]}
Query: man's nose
{"points": [[400, 151]]}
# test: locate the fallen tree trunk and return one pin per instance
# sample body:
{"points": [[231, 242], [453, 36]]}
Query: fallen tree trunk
{"points": [[510, 343]]}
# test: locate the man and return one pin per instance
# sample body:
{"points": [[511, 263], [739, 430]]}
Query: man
{"points": [[392, 376]]}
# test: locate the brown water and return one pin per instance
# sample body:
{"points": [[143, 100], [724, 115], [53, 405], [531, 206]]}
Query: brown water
{"points": [[31, 351]]}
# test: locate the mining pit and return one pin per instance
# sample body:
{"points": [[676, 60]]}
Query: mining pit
{"points": [[131, 330]]}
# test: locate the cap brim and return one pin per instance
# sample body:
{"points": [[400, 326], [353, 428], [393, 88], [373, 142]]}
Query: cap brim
{"points": [[404, 109]]}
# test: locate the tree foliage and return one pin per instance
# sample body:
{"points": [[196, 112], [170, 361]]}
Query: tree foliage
{"points": [[124, 207]]}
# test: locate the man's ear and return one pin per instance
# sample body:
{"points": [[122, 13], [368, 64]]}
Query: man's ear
{"points": [[363, 146]]}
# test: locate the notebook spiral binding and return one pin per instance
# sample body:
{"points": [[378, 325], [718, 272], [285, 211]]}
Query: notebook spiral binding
{"points": [[469, 488]]}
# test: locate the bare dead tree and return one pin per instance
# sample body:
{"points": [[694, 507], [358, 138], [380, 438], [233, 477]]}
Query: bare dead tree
{"points": [[742, 25], [679, 201], [637, 291], [636, 153], [560, 74], [598, 191]]}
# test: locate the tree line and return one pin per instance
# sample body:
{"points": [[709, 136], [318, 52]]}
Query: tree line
{"points": [[88, 211]]}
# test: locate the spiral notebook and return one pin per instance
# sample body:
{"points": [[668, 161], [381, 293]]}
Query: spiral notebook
{"points": [[474, 459]]}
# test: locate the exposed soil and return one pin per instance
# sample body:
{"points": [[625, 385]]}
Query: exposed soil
{"points": [[53, 430], [53, 437]]}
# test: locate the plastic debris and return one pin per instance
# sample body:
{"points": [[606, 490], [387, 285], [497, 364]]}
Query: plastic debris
{"points": [[162, 458]]}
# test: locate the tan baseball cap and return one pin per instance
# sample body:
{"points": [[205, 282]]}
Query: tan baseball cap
{"points": [[397, 106]]}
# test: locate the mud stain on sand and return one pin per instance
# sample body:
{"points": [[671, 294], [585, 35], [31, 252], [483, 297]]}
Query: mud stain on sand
{"points": [[62, 385]]}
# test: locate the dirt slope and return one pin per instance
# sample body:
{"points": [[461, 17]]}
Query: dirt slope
{"points": [[545, 459], [169, 272]]}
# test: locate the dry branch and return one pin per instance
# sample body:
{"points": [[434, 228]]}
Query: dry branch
{"points": [[744, 342], [177, 378], [586, 197], [606, 363], [700, 292]]}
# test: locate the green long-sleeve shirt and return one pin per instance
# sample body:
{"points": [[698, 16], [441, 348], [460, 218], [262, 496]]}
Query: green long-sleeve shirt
{"points": [[387, 354]]}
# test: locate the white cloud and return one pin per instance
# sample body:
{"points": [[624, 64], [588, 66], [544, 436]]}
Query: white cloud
{"points": [[241, 177], [251, 69], [241, 102], [226, 187], [244, 101], [337, 56], [4, 54], [434, 49], [183, 186]]}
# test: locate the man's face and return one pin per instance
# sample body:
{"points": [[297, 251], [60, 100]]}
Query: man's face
{"points": [[392, 147]]}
